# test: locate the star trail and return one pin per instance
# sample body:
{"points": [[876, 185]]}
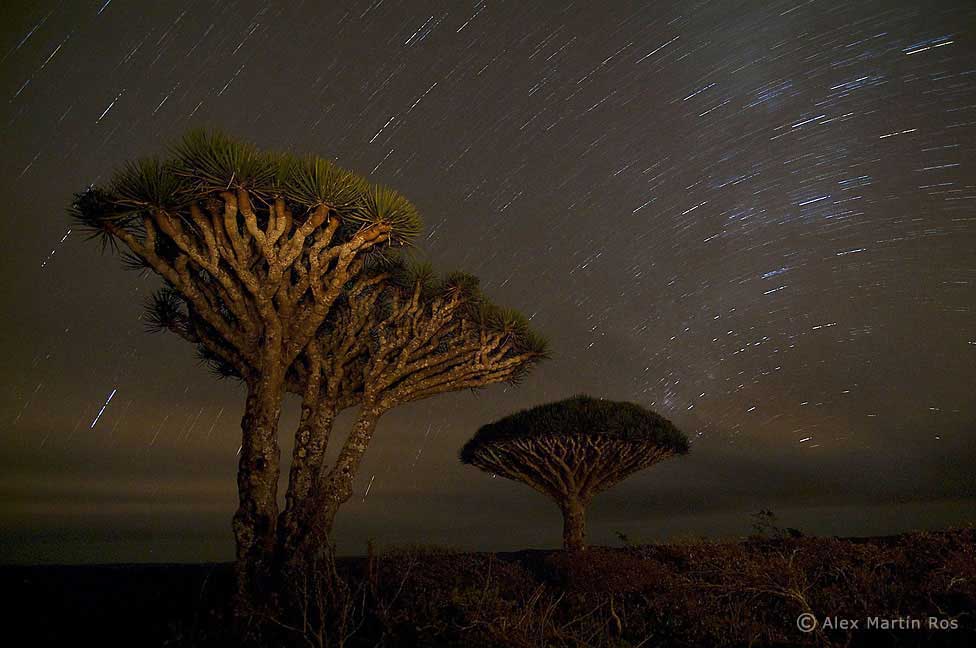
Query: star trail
{"points": [[757, 218]]}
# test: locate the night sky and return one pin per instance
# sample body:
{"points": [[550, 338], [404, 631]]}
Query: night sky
{"points": [[757, 218]]}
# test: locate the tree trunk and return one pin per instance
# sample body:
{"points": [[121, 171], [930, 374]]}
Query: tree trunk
{"points": [[574, 524], [306, 463], [335, 489], [257, 486]]}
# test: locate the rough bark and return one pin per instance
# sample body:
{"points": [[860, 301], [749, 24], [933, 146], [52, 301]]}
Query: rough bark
{"points": [[257, 484], [420, 347], [335, 489], [307, 459], [574, 524], [254, 286]]}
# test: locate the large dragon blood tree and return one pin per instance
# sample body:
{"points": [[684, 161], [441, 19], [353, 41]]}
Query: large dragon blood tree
{"points": [[573, 449], [260, 246], [397, 335]]}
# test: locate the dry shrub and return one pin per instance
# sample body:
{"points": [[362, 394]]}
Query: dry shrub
{"points": [[424, 592], [602, 570], [699, 594]]}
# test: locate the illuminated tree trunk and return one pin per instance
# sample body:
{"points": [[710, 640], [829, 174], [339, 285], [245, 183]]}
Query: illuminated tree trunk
{"points": [[574, 524], [314, 529], [296, 523], [306, 464], [257, 485]]}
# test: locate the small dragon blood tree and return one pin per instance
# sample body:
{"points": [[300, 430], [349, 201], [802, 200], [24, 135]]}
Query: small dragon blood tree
{"points": [[573, 449]]}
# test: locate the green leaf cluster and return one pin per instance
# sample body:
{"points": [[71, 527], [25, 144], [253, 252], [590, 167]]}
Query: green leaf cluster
{"points": [[204, 164]]}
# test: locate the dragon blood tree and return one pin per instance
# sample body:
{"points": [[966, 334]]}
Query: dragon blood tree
{"points": [[422, 337], [259, 246], [395, 336], [573, 449]]}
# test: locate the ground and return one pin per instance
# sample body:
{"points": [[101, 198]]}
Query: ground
{"points": [[695, 593]]}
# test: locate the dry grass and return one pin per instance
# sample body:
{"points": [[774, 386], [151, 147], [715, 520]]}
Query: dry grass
{"points": [[746, 593], [688, 594]]}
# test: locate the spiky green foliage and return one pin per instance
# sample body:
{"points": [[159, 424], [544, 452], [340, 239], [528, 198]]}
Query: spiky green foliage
{"points": [[313, 181], [168, 310], [216, 365], [93, 209], [408, 275], [583, 416], [164, 311], [532, 340], [512, 323], [150, 182], [460, 283], [384, 205], [205, 163], [211, 161], [134, 262]]}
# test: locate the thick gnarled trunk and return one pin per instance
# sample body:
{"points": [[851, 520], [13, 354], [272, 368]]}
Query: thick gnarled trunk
{"points": [[306, 469], [574, 524], [257, 485], [314, 527]]}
